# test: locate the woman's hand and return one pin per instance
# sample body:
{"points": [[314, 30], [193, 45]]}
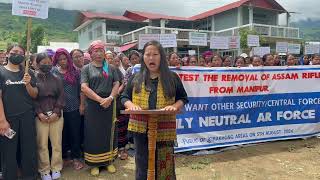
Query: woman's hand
{"points": [[26, 78], [54, 117], [43, 118], [170, 108], [106, 102], [134, 107], [4, 126]]}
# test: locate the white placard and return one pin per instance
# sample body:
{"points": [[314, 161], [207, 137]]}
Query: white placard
{"points": [[31, 8], [261, 51], [198, 39], [191, 52], [282, 47], [144, 38], [168, 40], [234, 42], [253, 41], [311, 48], [219, 42], [294, 48]]}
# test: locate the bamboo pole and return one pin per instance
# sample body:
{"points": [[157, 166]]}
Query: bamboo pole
{"points": [[29, 26], [114, 119]]}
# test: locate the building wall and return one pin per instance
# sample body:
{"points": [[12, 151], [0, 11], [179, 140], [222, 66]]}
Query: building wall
{"points": [[91, 32], [226, 20]]}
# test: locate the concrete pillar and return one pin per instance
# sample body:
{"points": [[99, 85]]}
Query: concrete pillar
{"points": [[240, 16], [213, 27], [288, 19], [104, 31], [251, 17], [163, 25], [277, 20]]}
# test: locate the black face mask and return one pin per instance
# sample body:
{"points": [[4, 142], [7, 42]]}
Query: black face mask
{"points": [[45, 68], [16, 59]]}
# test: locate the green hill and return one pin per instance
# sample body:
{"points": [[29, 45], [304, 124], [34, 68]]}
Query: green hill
{"points": [[310, 29], [58, 27]]}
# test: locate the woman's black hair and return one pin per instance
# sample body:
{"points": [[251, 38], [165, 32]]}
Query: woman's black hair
{"points": [[15, 45], [216, 56], [225, 57], [264, 58], [41, 56], [172, 53], [134, 52], [166, 76], [75, 50]]}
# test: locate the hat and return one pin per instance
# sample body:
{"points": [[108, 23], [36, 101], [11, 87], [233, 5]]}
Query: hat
{"points": [[244, 55]]}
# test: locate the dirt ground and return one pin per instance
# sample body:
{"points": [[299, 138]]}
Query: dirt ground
{"points": [[283, 160]]}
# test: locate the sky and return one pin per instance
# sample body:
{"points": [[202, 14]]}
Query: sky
{"points": [[303, 8]]}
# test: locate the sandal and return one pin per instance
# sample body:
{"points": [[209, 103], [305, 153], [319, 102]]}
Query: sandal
{"points": [[95, 171], [77, 165]]}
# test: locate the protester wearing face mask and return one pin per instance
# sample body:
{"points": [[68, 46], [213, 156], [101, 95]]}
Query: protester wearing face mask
{"points": [[17, 89], [49, 120]]}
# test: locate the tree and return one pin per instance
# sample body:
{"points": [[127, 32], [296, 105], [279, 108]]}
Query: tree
{"points": [[37, 38]]}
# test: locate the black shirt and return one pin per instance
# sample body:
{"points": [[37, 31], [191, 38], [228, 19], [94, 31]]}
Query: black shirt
{"points": [[97, 82], [15, 97], [180, 92]]}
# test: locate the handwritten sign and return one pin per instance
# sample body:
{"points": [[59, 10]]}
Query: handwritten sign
{"points": [[261, 51], [31, 8], [294, 48], [198, 39], [282, 47], [144, 38], [168, 40], [253, 41], [219, 42]]}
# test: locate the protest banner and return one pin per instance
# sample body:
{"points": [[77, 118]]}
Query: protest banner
{"points": [[232, 106]]}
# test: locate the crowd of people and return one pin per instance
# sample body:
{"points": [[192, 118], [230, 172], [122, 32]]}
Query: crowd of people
{"points": [[65, 108], [209, 59]]}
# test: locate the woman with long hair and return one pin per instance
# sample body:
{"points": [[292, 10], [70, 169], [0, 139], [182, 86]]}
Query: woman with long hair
{"points": [[17, 91], [67, 72], [154, 87], [49, 120]]}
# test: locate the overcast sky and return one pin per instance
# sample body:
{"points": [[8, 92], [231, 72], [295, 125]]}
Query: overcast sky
{"points": [[185, 8]]}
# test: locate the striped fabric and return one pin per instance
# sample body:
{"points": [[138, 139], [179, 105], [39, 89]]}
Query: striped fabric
{"points": [[166, 123]]}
